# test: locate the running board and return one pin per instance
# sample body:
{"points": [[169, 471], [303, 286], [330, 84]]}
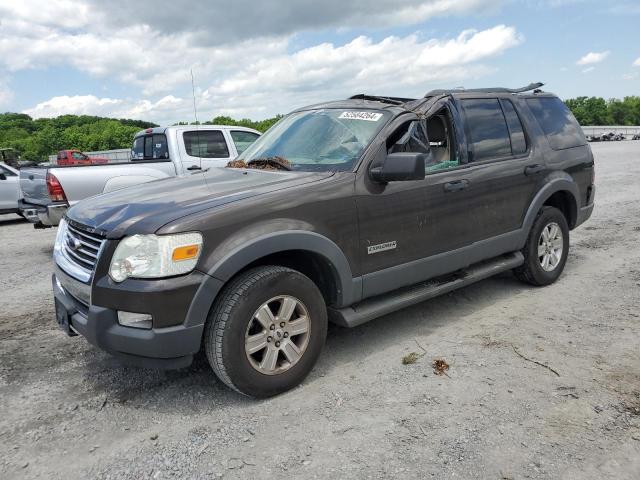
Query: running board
{"points": [[404, 297]]}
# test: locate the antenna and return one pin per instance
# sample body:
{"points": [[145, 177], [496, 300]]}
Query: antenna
{"points": [[195, 115]]}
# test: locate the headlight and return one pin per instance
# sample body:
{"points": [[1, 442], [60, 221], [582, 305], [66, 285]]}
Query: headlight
{"points": [[154, 256]]}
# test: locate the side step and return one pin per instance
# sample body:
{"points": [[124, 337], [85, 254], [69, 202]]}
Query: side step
{"points": [[404, 297]]}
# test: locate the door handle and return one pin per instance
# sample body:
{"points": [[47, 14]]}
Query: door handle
{"points": [[456, 185], [533, 169], [194, 167]]}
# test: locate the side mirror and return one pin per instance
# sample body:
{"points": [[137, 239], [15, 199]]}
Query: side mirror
{"points": [[3, 176], [399, 167]]}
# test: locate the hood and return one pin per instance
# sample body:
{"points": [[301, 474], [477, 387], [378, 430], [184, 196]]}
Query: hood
{"points": [[147, 207]]}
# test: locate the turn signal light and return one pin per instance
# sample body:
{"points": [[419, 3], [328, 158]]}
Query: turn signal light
{"points": [[187, 252]]}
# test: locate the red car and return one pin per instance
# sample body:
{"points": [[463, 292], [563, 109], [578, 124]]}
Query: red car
{"points": [[76, 157]]}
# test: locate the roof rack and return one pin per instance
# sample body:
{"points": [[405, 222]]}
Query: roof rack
{"points": [[376, 98], [531, 86]]}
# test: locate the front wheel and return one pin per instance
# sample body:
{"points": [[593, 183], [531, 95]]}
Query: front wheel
{"points": [[546, 250], [266, 331]]}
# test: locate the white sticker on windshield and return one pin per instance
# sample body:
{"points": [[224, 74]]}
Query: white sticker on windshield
{"points": [[368, 116]]}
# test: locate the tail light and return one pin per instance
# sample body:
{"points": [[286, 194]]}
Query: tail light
{"points": [[56, 193]]}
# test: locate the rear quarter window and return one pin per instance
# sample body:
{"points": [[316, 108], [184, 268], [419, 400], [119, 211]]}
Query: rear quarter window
{"points": [[557, 122]]}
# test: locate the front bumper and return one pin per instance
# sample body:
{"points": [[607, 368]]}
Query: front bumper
{"points": [[167, 347], [43, 216]]}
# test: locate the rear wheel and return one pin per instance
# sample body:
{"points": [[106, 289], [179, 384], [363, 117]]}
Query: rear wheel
{"points": [[266, 331], [546, 250]]}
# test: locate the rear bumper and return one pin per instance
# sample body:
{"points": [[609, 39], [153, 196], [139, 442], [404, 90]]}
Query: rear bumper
{"points": [[584, 213], [166, 348], [43, 216]]}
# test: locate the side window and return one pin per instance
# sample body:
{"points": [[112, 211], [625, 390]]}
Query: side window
{"points": [[409, 137], [489, 136], [205, 144], [557, 122], [78, 156], [442, 141], [518, 139], [242, 140]]}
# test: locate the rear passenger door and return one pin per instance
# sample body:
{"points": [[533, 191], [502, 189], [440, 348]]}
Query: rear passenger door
{"points": [[502, 164]]}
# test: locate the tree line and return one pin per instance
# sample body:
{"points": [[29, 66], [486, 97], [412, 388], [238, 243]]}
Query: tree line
{"points": [[598, 111], [36, 139]]}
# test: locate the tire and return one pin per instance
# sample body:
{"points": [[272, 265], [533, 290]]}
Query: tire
{"points": [[533, 271], [239, 316]]}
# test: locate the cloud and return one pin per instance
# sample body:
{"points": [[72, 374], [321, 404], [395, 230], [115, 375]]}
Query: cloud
{"points": [[630, 76], [588, 69], [107, 107], [219, 22], [262, 84], [364, 64], [593, 57], [58, 13], [637, 62]]}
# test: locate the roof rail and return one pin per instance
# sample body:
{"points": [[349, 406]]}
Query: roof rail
{"points": [[376, 98], [531, 86]]}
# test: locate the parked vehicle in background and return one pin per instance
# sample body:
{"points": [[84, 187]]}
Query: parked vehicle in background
{"points": [[9, 189], [76, 157], [636, 136], [156, 153], [10, 157], [362, 207]]}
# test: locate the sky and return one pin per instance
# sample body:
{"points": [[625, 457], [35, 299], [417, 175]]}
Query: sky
{"points": [[254, 59]]}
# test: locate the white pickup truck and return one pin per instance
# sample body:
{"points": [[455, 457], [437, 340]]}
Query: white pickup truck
{"points": [[156, 153]]}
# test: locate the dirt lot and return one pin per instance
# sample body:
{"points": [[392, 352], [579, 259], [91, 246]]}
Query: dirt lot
{"points": [[68, 410]]}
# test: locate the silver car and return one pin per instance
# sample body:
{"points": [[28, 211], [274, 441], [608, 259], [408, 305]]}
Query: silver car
{"points": [[9, 189]]}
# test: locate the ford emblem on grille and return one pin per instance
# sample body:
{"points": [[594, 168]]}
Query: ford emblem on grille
{"points": [[74, 243]]}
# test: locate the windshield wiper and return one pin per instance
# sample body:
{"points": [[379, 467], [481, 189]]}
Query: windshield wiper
{"points": [[268, 163]]}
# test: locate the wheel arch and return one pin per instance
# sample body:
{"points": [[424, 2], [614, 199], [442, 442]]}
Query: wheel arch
{"points": [[560, 192]]}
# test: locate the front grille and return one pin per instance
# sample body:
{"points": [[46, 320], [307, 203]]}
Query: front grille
{"points": [[82, 247]]}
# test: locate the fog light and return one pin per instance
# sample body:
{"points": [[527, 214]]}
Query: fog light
{"points": [[135, 320]]}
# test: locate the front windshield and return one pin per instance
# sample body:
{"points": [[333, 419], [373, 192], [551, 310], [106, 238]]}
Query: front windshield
{"points": [[319, 140]]}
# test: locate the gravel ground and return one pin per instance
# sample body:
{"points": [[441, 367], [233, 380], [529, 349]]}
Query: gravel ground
{"points": [[68, 410]]}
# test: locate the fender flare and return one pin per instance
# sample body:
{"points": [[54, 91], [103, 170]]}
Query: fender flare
{"points": [[348, 289], [559, 184]]}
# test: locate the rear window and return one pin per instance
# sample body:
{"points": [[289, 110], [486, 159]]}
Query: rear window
{"points": [[242, 140], [205, 144], [150, 147], [487, 129], [557, 122]]}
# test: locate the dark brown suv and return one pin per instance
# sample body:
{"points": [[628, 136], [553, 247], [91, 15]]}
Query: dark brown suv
{"points": [[357, 208]]}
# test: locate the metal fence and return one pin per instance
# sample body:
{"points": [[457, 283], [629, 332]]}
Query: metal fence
{"points": [[621, 129], [114, 156]]}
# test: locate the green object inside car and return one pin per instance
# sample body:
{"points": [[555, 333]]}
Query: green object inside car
{"points": [[442, 166]]}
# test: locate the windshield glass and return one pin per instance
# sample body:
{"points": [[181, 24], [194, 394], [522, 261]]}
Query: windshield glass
{"points": [[319, 140]]}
